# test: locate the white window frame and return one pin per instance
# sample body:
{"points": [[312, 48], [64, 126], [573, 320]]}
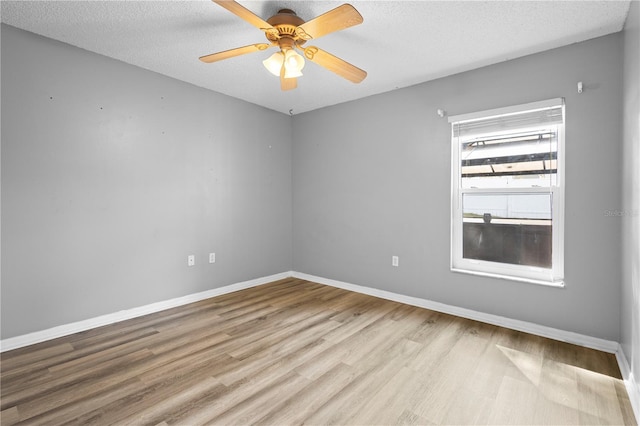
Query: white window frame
{"points": [[551, 277]]}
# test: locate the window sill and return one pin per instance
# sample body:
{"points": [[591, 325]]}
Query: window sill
{"points": [[557, 284]]}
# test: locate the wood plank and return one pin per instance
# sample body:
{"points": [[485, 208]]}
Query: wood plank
{"points": [[250, 405], [9, 416], [11, 362], [296, 407]]}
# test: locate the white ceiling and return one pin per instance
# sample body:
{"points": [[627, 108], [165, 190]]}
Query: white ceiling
{"points": [[400, 43]]}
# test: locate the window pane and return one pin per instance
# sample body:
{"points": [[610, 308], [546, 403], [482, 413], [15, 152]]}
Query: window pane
{"points": [[508, 228], [516, 160]]}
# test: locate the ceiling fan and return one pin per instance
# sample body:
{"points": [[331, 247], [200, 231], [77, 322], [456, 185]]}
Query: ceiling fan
{"points": [[289, 32]]}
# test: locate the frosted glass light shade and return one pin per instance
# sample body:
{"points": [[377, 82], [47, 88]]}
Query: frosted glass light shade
{"points": [[274, 63], [293, 64]]}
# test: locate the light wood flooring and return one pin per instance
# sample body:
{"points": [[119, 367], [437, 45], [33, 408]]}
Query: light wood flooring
{"points": [[294, 352]]}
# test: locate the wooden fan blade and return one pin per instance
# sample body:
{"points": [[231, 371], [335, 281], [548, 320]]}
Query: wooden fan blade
{"points": [[287, 83], [244, 13], [214, 57], [341, 17], [335, 64]]}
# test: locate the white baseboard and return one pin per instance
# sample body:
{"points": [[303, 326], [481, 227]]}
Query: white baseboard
{"points": [[76, 327], [630, 382], [527, 327], [539, 330]]}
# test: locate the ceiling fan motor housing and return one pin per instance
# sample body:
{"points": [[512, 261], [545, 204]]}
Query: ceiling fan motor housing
{"points": [[285, 22]]}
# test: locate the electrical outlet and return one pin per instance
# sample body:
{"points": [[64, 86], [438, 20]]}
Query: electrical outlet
{"points": [[395, 261], [212, 258], [191, 260]]}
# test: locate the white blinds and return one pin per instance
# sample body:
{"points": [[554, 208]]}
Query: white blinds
{"points": [[547, 112]]}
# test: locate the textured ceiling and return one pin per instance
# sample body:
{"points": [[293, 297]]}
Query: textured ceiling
{"points": [[400, 43]]}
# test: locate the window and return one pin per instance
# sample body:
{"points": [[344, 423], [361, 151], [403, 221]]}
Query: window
{"points": [[508, 192]]}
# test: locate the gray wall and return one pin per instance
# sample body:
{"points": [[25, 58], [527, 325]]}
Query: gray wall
{"points": [[371, 179], [630, 338], [112, 175]]}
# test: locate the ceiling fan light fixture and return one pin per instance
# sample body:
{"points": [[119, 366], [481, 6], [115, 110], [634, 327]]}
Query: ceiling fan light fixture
{"points": [[274, 63], [288, 32]]}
